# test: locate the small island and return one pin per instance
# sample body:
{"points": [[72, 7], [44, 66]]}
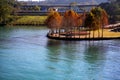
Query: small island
{"points": [[92, 25]]}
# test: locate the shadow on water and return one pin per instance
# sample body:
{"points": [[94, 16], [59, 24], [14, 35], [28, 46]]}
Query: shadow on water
{"points": [[64, 57], [94, 56], [5, 32], [72, 50], [94, 52], [61, 49], [53, 47], [60, 58]]}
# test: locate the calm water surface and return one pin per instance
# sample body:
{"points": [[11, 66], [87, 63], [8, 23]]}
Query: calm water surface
{"points": [[26, 54]]}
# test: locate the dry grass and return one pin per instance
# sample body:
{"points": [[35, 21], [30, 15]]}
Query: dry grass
{"points": [[106, 34]]}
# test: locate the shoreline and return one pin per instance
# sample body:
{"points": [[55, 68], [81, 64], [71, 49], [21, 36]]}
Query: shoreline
{"points": [[106, 36], [81, 39], [27, 24]]}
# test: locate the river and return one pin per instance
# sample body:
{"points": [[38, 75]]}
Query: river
{"points": [[27, 54]]}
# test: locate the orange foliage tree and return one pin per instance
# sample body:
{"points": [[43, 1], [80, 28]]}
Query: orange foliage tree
{"points": [[70, 19], [54, 21], [81, 19], [104, 17]]}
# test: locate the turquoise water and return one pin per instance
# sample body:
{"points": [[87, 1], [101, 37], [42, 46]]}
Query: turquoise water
{"points": [[26, 54]]}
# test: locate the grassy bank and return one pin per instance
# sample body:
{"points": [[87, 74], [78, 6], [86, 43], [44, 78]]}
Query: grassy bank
{"points": [[28, 20]]}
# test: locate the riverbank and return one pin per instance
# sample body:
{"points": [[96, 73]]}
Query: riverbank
{"points": [[28, 20], [107, 35]]}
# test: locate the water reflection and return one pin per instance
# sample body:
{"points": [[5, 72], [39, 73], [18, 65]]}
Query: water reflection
{"points": [[26, 53], [60, 58], [94, 57], [94, 52], [5, 32], [62, 49], [53, 47]]}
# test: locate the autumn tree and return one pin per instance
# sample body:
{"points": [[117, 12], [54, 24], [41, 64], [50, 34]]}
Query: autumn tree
{"points": [[81, 18], [70, 19], [53, 21], [104, 19]]}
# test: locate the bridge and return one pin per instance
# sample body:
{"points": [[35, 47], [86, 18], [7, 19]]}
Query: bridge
{"points": [[80, 8], [59, 5]]}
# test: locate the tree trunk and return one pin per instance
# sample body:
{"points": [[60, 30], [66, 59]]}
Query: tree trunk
{"points": [[93, 33], [102, 31], [59, 33], [79, 32], [98, 33]]}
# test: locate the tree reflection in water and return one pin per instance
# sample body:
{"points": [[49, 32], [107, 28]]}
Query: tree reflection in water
{"points": [[94, 57], [94, 52], [61, 57]]}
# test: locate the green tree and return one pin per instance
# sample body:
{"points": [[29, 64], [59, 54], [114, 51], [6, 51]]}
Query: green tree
{"points": [[15, 6], [5, 10], [90, 22], [113, 10], [97, 12], [101, 18], [97, 18]]}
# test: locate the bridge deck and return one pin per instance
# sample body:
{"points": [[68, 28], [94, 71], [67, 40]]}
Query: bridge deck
{"points": [[58, 5]]}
